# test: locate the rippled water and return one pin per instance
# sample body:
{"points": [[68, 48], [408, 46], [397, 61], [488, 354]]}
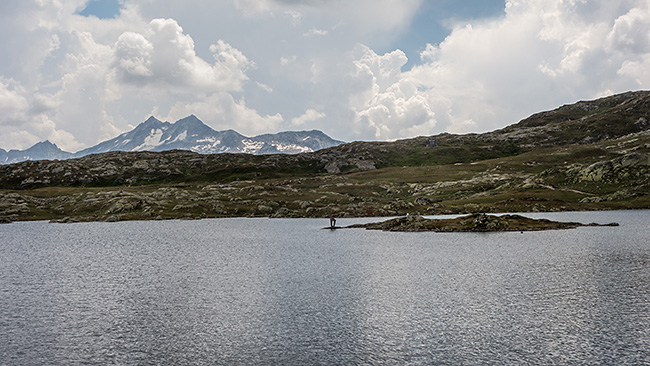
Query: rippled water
{"points": [[260, 291]]}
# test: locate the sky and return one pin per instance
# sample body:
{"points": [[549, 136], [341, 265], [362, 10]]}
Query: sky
{"points": [[78, 72]]}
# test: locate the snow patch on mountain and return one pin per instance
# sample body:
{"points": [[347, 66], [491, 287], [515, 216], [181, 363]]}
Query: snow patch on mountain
{"points": [[181, 137], [291, 148], [150, 142], [251, 147]]}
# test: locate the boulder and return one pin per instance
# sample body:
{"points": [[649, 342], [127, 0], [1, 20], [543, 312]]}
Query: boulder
{"points": [[112, 218], [424, 201], [265, 210]]}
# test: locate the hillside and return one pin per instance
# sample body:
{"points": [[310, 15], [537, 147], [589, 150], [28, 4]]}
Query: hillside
{"points": [[590, 155]]}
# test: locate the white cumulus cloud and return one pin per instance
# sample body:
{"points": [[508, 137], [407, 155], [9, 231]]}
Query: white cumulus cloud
{"points": [[310, 115], [165, 56], [389, 105]]}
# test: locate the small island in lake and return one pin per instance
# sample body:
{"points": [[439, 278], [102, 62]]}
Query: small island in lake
{"points": [[472, 223]]}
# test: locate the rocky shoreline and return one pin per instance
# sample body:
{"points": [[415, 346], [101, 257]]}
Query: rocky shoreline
{"points": [[472, 223]]}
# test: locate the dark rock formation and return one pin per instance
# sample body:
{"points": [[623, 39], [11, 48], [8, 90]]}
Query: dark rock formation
{"points": [[472, 223]]}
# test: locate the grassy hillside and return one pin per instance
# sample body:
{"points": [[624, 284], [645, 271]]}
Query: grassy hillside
{"points": [[586, 156]]}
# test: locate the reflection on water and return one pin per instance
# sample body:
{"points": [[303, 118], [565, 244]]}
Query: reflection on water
{"points": [[259, 291]]}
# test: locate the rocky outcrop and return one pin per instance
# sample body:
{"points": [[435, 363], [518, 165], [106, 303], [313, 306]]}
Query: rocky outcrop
{"points": [[472, 223], [611, 170], [354, 156], [129, 168]]}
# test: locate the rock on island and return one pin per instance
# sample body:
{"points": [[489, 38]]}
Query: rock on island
{"points": [[472, 223]]}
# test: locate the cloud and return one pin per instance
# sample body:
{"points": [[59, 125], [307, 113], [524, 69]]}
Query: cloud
{"points": [[12, 103], [287, 60], [87, 79], [245, 64], [253, 7], [27, 28], [631, 31], [316, 32], [24, 119], [221, 111], [85, 92], [310, 115], [164, 56], [304, 72], [133, 57], [389, 105], [52, 54], [382, 16], [363, 17], [265, 87], [296, 16], [489, 74]]}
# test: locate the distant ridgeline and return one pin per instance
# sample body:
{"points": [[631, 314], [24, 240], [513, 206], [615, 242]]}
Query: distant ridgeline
{"points": [[186, 134]]}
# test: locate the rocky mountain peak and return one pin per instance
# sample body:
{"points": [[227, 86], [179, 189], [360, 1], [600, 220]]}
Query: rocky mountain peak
{"points": [[152, 119], [44, 145]]}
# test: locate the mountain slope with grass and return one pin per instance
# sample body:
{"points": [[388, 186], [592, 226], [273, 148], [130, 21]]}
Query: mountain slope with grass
{"points": [[592, 155]]}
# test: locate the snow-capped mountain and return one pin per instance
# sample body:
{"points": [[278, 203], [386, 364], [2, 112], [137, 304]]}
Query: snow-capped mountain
{"points": [[153, 135], [186, 134], [43, 150], [293, 142], [191, 134]]}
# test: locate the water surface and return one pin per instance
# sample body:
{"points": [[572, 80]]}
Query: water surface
{"points": [[262, 291]]}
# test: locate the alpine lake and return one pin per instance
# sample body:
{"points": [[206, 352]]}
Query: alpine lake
{"points": [[286, 292]]}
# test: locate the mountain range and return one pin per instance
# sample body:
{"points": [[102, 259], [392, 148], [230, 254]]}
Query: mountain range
{"points": [[189, 133]]}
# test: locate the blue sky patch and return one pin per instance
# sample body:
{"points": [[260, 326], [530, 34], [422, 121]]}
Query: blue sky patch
{"points": [[102, 9]]}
